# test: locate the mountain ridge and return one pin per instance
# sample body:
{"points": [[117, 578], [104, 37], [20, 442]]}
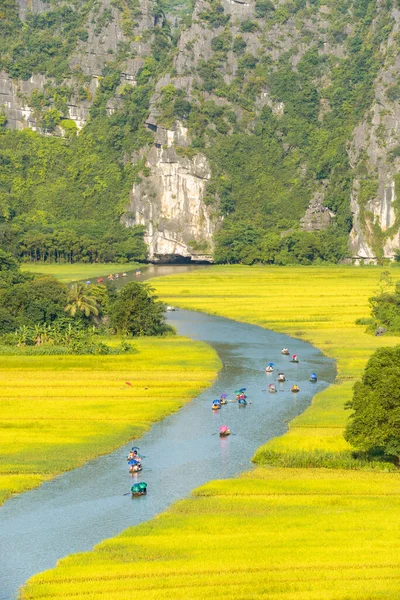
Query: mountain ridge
{"points": [[291, 106]]}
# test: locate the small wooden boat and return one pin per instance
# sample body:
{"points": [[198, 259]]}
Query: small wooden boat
{"points": [[269, 369], [281, 377], [223, 401], [135, 468], [272, 388], [139, 489], [116, 275], [285, 352], [216, 405], [138, 272], [100, 280], [242, 402], [313, 378], [294, 359], [224, 431], [124, 275], [295, 388]]}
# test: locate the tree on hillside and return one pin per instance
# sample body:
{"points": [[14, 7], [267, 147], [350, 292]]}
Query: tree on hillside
{"points": [[375, 423], [81, 302], [136, 311]]}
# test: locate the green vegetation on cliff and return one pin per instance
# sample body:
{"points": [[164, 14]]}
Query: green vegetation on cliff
{"points": [[272, 102]]}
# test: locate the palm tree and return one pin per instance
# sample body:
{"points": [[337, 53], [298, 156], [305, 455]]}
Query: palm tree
{"points": [[80, 300]]}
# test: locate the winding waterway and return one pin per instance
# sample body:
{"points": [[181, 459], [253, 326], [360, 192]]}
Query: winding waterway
{"points": [[82, 507]]}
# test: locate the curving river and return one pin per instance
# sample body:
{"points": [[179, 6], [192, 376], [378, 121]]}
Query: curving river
{"points": [[82, 507]]}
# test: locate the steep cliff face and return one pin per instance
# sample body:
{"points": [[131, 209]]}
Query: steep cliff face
{"points": [[169, 202], [267, 117], [375, 159]]}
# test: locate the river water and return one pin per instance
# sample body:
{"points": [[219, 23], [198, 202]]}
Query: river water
{"points": [[82, 507]]}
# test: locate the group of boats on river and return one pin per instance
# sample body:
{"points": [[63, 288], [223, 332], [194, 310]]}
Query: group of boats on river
{"points": [[281, 378], [134, 458], [135, 466], [113, 276]]}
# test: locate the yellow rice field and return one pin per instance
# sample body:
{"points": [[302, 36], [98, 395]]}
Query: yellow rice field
{"points": [[317, 304], [57, 412], [274, 533], [287, 534]]}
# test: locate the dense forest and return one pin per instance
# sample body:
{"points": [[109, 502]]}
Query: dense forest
{"points": [[271, 101]]}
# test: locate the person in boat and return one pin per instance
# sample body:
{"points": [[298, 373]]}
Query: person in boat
{"points": [[295, 358], [272, 388], [285, 351], [313, 377], [281, 377], [242, 401], [295, 388], [224, 430], [216, 404]]}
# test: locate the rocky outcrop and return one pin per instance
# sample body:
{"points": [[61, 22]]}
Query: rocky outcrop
{"points": [[375, 157], [170, 201]]}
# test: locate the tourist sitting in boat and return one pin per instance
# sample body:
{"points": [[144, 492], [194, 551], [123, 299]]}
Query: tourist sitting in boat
{"points": [[110, 277], [242, 401], [285, 351], [223, 398], [224, 431], [295, 388], [281, 377], [100, 280], [134, 466], [138, 272], [216, 405], [294, 359], [139, 489], [272, 388], [123, 274], [241, 396], [313, 377]]}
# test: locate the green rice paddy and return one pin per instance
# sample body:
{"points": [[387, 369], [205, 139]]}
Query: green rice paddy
{"points": [[77, 271]]}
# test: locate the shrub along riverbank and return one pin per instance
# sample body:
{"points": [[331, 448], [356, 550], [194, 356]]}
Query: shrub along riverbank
{"points": [[288, 533], [58, 412]]}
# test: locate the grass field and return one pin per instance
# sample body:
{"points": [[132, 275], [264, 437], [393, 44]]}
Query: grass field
{"points": [[317, 304], [57, 412], [287, 534], [275, 533], [67, 273]]}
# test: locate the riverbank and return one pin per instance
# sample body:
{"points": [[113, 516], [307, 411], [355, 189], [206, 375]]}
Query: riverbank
{"points": [[58, 412], [287, 533]]}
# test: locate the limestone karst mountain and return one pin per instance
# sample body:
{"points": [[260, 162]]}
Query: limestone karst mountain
{"points": [[259, 130]]}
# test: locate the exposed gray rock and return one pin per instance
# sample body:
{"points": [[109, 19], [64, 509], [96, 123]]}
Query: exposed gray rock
{"points": [[170, 202]]}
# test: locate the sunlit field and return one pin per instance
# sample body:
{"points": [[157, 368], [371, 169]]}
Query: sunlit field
{"points": [[287, 534], [77, 271], [278, 532], [57, 412], [317, 304]]}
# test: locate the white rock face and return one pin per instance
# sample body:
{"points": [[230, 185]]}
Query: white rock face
{"points": [[170, 202], [371, 153]]}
